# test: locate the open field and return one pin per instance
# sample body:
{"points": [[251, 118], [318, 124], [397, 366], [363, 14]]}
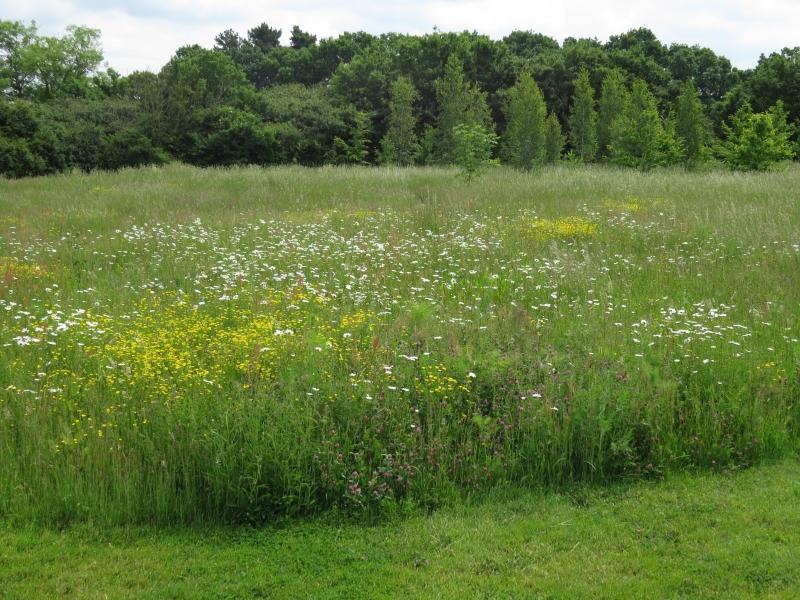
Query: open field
{"points": [[702, 536], [188, 346]]}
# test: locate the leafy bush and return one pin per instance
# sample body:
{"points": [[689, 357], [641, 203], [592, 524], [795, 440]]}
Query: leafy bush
{"points": [[757, 141], [473, 147]]}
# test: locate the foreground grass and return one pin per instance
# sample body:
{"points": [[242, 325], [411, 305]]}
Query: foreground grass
{"points": [[710, 536]]}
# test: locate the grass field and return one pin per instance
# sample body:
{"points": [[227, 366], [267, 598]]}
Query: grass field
{"points": [[186, 346], [700, 536]]}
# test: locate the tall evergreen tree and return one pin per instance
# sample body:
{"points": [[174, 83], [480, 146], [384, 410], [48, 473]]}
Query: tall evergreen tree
{"points": [[301, 39], [640, 139], [355, 152], [689, 125], [400, 145], [553, 139], [525, 110], [460, 103], [264, 37], [583, 119], [613, 100]]}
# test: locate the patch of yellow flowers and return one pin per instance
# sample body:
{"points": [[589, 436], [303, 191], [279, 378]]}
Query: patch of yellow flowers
{"points": [[546, 229]]}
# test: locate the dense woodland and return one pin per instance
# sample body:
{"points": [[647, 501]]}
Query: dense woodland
{"points": [[525, 100]]}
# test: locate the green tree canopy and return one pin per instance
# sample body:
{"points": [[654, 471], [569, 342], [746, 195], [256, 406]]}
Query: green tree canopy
{"points": [[640, 139], [400, 144], [613, 100], [553, 139], [472, 150], [524, 137], [301, 39], [460, 103], [16, 74], [48, 67], [757, 141], [690, 125], [583, 119]]}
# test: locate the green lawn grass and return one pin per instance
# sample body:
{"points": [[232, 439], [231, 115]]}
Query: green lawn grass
{"points": [[704, 536]]}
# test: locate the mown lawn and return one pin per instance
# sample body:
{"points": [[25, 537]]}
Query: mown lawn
{"points": [[704, 536]]}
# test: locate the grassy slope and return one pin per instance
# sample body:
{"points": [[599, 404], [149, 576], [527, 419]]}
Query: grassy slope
{"points": [[692, 537]]}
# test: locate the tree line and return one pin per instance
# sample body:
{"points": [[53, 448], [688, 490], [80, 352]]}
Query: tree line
{"points": [[440, 98]]}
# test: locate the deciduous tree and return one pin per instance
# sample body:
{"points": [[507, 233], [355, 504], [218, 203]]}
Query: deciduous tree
{"points": [[473, 150], [757, 141]]}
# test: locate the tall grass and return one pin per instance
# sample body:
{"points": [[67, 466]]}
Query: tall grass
{"points": [[185, 345]]}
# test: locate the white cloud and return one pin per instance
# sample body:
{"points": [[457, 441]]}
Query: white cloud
{"points": [[144, 34]]}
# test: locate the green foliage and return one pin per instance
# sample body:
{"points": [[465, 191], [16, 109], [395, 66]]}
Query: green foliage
{"points": [[757, 141], [357, 150], [427, 147], [17, 159], [73, 133], [228, 136], [301, 39], [473, 148], [264, 37], [613, 100], [458, 78], [583, 119], [776, 78], [400, 146], [48, 67], [194, 87], [307, 120], [460, 103], [553, 139], [712, 75], [366, 85], [690, 126], [16, 74], [640, 138], [524, 144], [527, 44]]}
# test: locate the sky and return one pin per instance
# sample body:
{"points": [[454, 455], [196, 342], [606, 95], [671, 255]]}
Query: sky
{"points": [[143, 34]]}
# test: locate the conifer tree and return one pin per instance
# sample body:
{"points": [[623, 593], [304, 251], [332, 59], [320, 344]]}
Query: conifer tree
{"points": [[356, 152], [613, 100], [640, 139], [553, 139], [400, 145], [460, 103], [583, 119], [689, 125], [524, 141]]}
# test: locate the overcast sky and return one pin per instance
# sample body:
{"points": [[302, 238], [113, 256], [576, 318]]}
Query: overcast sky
{"points": [[143, 34]]}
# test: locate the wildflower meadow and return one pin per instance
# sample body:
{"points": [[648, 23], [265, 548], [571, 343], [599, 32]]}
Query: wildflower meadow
{"points": [[182, 345]]}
